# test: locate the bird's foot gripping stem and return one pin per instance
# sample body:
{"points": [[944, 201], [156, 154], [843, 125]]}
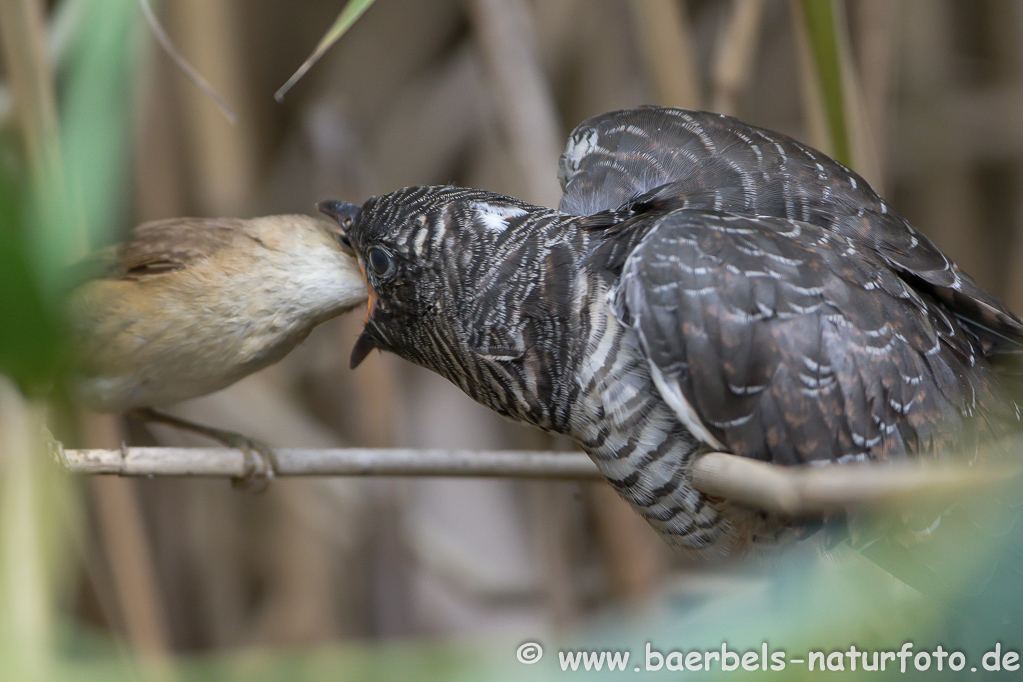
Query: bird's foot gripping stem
{"points": [[260, 461], [260, 458]]}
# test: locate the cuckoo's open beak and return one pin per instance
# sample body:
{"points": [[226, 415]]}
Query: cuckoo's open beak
{"points": [[363, 345], [345, 214], [341, 211]]}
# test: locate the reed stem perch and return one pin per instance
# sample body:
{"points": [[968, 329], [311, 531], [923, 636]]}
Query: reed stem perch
{"points": [[817, 490], [790, 491], [332, 462]]}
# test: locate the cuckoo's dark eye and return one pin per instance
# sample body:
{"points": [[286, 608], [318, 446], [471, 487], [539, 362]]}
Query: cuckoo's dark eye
{"points": [[380, 261]]}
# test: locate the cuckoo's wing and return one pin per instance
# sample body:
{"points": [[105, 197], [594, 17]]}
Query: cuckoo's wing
{"points": [[778, 340], [614, 157], [673, 158]]}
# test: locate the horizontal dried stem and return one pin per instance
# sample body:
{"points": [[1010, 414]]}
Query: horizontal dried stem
{"points": [[790, 491], [817, 490], [332, 462]]}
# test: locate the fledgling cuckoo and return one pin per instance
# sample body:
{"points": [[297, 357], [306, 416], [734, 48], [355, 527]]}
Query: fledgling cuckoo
{"points": [[705, 285]]}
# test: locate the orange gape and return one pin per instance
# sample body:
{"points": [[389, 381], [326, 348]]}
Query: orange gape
{"points": [[372, 294]]}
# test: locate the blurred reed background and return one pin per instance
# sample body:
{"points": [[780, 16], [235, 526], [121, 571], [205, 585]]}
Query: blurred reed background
{"points": [[387, 578]]}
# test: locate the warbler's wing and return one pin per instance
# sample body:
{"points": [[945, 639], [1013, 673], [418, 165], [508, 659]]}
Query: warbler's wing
{"points": [[778, 340], [168, 245], [158, 247]]}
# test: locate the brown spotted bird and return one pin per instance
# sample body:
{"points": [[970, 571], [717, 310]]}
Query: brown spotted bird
{"points": [[705, 285], [188, 306]]}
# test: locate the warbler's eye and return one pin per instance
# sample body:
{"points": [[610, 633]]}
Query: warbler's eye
{"points": [[380, 261]]}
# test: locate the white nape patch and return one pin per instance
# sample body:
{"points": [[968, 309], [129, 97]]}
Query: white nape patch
{"points": [[579, 145], [494, 217], [419, 242], [672, 395]]}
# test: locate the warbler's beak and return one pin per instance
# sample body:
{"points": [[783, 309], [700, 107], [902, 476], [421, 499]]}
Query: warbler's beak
{"points": [[346, 244]]}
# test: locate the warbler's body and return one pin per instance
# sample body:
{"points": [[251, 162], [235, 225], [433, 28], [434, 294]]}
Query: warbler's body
{"points": [[189, 306]]}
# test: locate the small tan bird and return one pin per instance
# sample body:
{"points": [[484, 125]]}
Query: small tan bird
{"points": [[188, 306]]}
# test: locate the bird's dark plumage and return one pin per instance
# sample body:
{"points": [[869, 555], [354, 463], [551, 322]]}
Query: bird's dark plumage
{"points": [[793, 345], [704, 161], [706, 284]]}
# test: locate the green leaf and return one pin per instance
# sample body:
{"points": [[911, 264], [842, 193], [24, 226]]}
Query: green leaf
{"points": [[96, 116], [822, 29], [349, 15], [28, 344]]}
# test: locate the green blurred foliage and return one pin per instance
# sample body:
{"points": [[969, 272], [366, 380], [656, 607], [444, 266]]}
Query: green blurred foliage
{"points": [[350, 13], [96, 100], [48, 218], [41, 236], [822, 31], [29, 345]]}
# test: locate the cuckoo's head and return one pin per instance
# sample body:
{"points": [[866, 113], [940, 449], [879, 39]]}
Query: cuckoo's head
{"points": [[436, 264]]}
